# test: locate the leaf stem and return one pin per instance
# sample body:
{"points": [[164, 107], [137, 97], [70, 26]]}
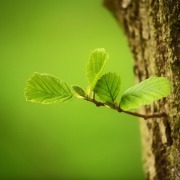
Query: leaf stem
{"points": [[144, 116], [93, 95]]}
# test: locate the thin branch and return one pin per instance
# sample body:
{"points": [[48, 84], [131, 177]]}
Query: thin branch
{"points": [[97, 103], [144, 116]]}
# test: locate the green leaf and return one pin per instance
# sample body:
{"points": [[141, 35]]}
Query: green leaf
{"points": [[108, 87], [145, 93], [80, 93], [96, 63], [47, 89]]}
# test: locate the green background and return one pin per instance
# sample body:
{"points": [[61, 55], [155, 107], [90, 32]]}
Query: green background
{"points": [[75, 140]]}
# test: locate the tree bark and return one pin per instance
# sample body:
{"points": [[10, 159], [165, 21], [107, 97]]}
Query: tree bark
{"points": [[153, 31]]}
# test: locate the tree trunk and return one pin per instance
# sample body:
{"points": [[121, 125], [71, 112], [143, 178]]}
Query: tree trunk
{"points": [[153, 31]]}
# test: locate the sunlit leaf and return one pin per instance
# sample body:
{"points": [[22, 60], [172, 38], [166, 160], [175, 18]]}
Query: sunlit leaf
{"points": [[96, 63], [108, 87], [145, 93], [47, 89]]}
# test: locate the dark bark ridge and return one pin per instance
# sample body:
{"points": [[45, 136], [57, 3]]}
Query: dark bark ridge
{"points": [[153, 31]]}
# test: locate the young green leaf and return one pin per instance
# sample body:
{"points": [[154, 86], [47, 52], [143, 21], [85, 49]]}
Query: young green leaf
{"points": [[47, 89], [80, 93], [96, 63], [108, 87], [145, 93]]}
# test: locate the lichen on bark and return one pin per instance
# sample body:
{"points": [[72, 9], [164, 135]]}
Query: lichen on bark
{"points": [[153, 32]]}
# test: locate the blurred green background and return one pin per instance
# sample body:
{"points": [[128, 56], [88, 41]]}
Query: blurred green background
{"points": [[75, 140]]}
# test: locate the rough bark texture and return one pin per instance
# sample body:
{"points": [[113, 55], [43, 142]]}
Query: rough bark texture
{"points": [[153, 31]]}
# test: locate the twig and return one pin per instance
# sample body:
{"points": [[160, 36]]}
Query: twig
{"points": [[144, 116]]}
